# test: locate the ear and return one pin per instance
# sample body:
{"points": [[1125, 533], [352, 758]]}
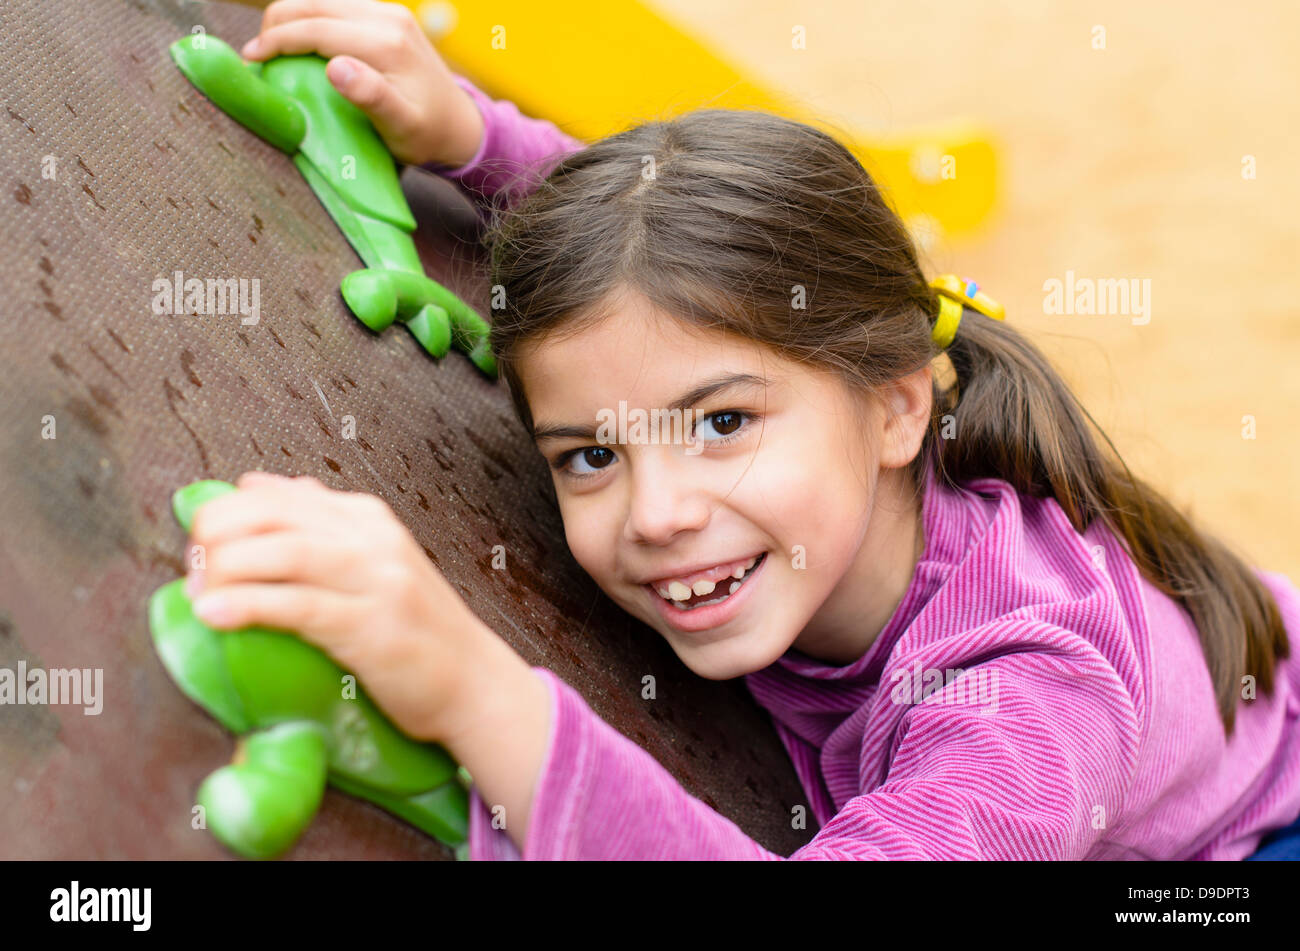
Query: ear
{"points": [[908, 403]]}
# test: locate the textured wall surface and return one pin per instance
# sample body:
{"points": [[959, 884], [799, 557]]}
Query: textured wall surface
{"points": [[116, 172]]}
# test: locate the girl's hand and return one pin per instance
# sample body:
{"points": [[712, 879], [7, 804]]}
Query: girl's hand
{"points": [[381, 61], [339, 570]]}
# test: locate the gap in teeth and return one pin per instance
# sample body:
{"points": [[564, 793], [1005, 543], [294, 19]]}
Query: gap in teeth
{"points": [[677, 591]]}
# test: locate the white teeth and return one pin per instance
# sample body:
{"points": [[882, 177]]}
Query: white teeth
{"points": [[678, 591], [681, 605]]}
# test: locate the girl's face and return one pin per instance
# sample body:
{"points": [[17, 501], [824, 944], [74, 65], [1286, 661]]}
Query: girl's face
{"points": [[794, 472]]}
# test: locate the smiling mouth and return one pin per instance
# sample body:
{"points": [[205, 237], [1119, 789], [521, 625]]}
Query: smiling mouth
{"points": [[702, 600]]}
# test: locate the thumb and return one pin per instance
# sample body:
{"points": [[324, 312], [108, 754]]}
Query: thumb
{"points": [[363, 86]]}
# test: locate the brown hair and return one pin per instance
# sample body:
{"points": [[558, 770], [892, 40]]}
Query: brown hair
{"points": [[718, 216]]}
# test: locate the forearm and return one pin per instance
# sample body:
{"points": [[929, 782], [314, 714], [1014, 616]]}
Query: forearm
{"points": [[466, 131], [500, 735], [515, 152], [560, 783]]}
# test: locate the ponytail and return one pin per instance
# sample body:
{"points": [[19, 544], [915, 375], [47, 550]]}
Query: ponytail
{"points": [[1020, 423]]}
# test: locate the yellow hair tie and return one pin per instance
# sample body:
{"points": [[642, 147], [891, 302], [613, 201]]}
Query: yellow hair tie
{"points": [[954, 294]]}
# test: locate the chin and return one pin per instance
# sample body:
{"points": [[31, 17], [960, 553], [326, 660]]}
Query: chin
{"points": [[726, 658], [721, 656]]}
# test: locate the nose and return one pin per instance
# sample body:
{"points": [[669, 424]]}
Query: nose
{"points": [[665, 497]]}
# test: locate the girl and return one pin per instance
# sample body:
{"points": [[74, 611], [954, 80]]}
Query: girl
{"points": [[978, 635]]}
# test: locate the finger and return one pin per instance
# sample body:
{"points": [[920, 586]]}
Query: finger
{"points": [[372, 42], [286, 556], [273, 505], [321, 616], [282, 11], [257, 477], [366, 88]]}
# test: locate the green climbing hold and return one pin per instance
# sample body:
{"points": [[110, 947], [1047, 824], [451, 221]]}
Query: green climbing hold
{"points": [[263, 801], [307, 722], [290, 102], [215, 68]]}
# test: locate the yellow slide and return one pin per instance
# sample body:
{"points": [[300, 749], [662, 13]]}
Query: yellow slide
{"points": [[594, 67]]}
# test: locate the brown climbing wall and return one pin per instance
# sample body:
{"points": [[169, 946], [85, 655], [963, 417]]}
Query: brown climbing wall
{"points": [[117, 172]]}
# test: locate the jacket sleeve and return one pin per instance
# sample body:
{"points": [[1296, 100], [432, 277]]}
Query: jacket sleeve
{"points": [[599, 796], [1036, 773], [515, 155]]}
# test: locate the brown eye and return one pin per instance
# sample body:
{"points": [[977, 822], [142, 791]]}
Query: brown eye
{"points": [[597, 457], [724, 424], [730, 425]]}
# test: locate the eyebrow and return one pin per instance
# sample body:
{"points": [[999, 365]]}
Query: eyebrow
{"points": [[688, 399]]}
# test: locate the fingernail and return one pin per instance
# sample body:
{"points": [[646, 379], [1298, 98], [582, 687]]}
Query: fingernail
{"points": [[344, 72], [251, 48], [213, 609], [194, 583]]}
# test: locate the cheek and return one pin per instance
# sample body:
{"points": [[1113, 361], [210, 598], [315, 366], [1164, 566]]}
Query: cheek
{"points": [[800, 494], [815, 501], [590, 549]]}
